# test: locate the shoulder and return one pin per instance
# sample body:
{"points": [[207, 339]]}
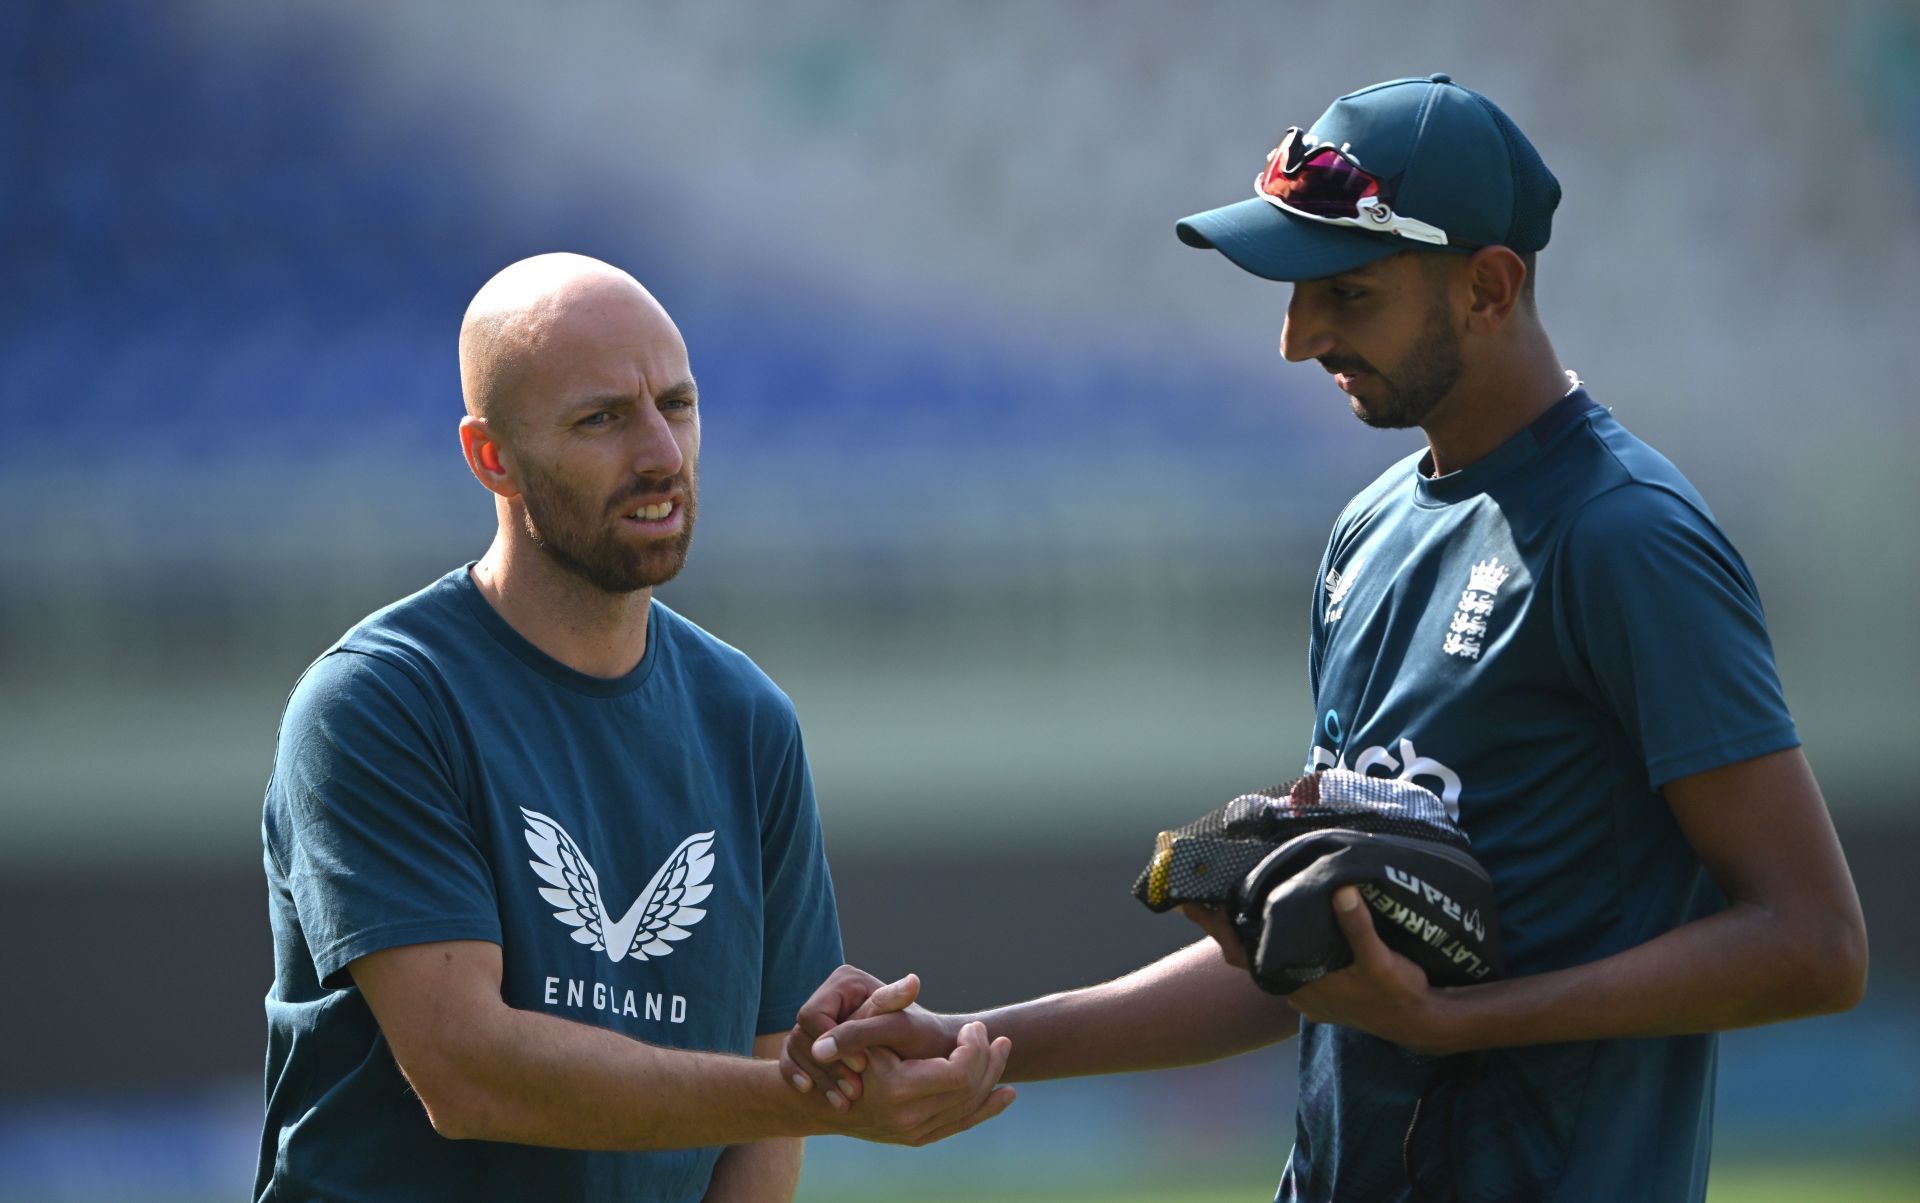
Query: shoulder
{"points": [[418, 629], [1617, 493], [1647, 539], [347, 697], [1635, 512], [1640, 514], [718, 672], [1613, 472], [386, 665]]}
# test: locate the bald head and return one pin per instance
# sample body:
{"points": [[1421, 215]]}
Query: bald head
{"points": [[583, 422], [530, 319]]}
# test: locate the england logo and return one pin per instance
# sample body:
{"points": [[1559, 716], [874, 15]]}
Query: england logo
{"points": [[1469, 625], [658, 918]]}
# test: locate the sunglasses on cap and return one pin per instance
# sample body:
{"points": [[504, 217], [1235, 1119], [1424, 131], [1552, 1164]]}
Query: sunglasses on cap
{"points": [[1321, 181]]}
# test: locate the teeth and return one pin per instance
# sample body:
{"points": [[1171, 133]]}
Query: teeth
{"points": [[653, 513]]}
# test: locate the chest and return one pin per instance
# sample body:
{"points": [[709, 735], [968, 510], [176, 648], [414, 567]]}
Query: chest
{"points": [[625, 853], [1437, 608], [1434, 649]]}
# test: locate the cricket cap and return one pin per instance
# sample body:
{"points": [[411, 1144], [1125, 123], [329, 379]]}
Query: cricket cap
{"points": [[1437, 156]]}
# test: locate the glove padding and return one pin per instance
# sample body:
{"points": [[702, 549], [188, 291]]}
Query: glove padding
{"points": [[1275, 857]]}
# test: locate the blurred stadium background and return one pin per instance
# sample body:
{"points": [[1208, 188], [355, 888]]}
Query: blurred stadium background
{"points": [[1009, 490]]}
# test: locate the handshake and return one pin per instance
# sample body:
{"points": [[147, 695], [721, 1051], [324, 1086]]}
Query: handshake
{"points": [[1294, 883], [895, 1071]]}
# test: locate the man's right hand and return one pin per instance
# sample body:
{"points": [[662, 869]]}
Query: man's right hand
{"points": [[852, 1015], [918, 1101]]}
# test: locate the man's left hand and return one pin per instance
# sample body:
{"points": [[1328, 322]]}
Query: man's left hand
{"points": [[1382, 992]]}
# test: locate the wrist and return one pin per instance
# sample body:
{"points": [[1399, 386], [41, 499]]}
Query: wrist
{"points": [[787, 1112], [1448, 1026], [950, 1026]]}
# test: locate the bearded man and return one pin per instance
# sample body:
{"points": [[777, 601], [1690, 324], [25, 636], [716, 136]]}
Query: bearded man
{"points": [[546, 877]]}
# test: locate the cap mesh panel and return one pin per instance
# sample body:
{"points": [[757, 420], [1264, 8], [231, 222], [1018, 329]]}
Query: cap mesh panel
{"points": [[1536, 193]]}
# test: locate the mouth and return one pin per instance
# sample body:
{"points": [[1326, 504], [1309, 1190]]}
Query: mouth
{"points": [[1346, 375], [655, 517]]}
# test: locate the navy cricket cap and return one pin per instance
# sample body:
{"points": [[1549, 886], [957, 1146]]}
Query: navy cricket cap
{"points": [[1443, 155]]}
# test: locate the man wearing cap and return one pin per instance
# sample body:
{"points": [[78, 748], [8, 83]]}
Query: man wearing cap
{"points": [[1538, 618]]}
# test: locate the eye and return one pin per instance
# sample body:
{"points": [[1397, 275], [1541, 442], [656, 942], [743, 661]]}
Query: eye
{"points": [[597, 418], [1346, 293]]}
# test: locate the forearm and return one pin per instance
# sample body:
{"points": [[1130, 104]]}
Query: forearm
{"points": [[767, 1171], [1737, 968], [1183, 1009], [528, 1078]]}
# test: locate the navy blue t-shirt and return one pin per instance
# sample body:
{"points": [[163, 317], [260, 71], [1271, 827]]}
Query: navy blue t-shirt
{"points": [[1544, 639], [645, 851]]}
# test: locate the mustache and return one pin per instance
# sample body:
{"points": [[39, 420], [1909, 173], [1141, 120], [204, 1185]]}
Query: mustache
{"points": [[647, 491], [1337, 365]]}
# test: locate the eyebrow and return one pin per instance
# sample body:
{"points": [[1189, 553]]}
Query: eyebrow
{"points": [[680, 390]]}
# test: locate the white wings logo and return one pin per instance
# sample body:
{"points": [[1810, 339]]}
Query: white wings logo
{"points": [[661, 914]]}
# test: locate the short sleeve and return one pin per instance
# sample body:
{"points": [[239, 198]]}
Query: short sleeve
{"points": [[1661, 620], [1316, 621], [364, 820], [802, 944]]}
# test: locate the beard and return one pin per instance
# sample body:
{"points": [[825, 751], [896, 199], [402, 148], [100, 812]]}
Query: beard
{"points": [[565, 524], [1419, 384]]}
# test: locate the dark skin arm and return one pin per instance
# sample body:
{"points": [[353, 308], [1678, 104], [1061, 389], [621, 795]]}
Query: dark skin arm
{"points": [[1791, 942], [1145, 1020]]}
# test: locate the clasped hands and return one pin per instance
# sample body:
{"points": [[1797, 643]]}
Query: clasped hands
{"points": [[897, 1072]]}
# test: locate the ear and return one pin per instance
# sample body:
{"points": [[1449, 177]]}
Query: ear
{"points": [[1497, 278], [486, 458]]}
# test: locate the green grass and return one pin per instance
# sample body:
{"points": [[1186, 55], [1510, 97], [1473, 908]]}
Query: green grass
{"points": [[1840, 1183], [1739, 1183]]}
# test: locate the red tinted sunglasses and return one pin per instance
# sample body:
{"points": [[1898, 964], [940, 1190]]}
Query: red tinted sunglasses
{"points": [[1321, 181]]}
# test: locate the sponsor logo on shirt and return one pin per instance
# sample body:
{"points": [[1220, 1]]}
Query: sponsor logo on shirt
{"points": [[1469, 625], [658, 918], [1377, 761], [1339, 584]]}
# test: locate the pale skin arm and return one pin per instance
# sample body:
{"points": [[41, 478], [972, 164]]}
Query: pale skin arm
{"points": [[765, 1171], [1145, 1020], [485, 1070], [1790, 943]]}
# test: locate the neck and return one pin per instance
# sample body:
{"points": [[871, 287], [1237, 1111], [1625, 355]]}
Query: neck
{"points": [[1491, 405], [587, 629]]}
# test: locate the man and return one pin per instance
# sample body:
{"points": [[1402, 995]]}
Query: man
{"points": [[1538, 619], [543, 853]]}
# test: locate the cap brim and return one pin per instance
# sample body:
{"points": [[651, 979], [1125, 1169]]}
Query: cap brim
{"points": [[1259, 238]]}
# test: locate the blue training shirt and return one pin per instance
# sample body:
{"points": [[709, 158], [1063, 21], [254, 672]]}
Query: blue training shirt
{"points": [[645, 851], [1543, 638]]}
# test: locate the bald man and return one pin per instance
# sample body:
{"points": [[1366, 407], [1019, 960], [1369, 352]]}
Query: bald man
{"points": [[545, 873]]}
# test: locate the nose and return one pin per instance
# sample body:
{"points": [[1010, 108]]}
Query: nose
{"points": [[1303, 336], [657, 450]]}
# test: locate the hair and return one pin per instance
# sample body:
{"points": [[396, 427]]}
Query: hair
{"points": [[1441, 260]]}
